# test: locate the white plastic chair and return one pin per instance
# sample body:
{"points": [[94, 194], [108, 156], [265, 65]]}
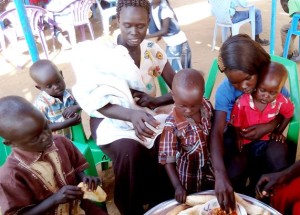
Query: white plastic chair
{"points": [[106, 15], [14, 31], [78, 12], [220, 9]]}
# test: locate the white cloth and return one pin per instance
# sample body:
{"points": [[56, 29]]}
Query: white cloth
{"points": [[105, 72]]}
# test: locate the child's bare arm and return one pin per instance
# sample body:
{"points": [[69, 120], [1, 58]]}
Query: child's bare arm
{"points": [[66, 194], [277, 133], [76, 119], [180, 192], [70, 111]]}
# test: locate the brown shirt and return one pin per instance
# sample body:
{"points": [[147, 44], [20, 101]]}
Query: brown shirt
{"points": [[27, 178]]}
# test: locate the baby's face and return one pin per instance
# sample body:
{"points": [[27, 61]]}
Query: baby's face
{"points": [[34, 134], [188, 102], [268, 89]]}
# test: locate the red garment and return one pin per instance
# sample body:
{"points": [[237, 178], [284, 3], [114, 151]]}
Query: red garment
{"points": [[245, 114], [287, 198]]}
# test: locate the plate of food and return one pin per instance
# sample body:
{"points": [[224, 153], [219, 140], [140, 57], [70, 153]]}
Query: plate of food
{"points": [[212, 207]]}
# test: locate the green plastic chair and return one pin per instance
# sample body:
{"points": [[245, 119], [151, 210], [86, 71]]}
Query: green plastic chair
{"points": [[4, 151], [294, 125], [78, 135]]}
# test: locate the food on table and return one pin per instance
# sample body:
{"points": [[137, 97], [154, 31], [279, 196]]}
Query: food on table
{"points": [[193, 200], [195, 210], [219, 211], [98, 195], [177, 209], [250, 208]]}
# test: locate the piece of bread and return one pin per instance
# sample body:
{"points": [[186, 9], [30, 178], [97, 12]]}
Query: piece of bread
{"points": [[195, 210], [250, 208], [97, 196], [178, 209], [193, 200]]}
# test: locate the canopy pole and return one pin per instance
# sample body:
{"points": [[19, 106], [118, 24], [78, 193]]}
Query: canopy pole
{"points": [[33, 51], [273, 26]]}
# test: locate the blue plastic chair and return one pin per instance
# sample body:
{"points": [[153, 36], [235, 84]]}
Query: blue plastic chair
{"points": [[292, 31], [4, 151]]}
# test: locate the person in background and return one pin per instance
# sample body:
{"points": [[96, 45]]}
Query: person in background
{"points": [[239, 15], [164, 24], [262, 155], [242, 60], [183, 148], [291, 7], [116, 80], [56, 103], [41, 174]]}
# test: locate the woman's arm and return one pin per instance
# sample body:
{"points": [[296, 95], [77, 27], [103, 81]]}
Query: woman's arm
{"points": [[223, 188], [257, 131], [153, 102]]}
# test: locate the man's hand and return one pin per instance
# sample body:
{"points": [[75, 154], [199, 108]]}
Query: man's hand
{"points": [[268, 182], [255, 132]]}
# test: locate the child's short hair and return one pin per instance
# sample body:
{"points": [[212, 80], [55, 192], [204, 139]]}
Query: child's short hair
{"points": [[12, 108], [40, 67]]}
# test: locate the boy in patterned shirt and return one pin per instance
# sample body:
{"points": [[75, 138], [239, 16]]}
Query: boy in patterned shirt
{"points": [[55, 102], [41, 174], [183, 146]]}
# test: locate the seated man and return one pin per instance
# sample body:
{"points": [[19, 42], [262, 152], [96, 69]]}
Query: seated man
{"points": [[238, 16], [291, 7]]}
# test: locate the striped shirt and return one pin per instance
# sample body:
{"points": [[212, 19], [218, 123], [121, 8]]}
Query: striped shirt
{"points": [[185, 142], [53, 108]]}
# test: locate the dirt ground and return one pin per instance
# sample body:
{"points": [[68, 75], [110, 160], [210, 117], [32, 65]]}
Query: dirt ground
{"points": [[195, 20]]}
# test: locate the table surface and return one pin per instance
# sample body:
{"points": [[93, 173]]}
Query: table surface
{"points": [[166, 206]]}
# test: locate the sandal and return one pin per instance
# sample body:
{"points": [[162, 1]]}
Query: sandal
{"points": [[263, 42]]}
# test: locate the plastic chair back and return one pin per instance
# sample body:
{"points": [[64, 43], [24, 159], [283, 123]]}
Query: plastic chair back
{"points": [[4, 152], [292, 31], [106, 14], [294, 125], [98, 155], [220, 9], [80, 11], [35, 16]]}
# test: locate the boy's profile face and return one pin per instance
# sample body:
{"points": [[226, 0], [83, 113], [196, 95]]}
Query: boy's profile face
{"points": [[52, 83], [32, 133], [187, 102], [268, 88]]}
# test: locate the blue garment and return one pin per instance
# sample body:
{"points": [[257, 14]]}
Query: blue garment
{"points": [[226, 95], [242, 15], [173, 26], [181, 51]]}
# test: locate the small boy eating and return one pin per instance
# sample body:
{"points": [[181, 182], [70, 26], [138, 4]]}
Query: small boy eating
{"points": [[183, 146], [42, 172], [55, 102]]}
